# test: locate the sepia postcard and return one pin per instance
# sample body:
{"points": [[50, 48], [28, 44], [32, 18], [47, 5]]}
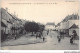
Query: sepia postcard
{"points": [[39, 24]]}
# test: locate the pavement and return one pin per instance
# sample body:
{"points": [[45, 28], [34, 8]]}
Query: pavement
{"points": [[51, 43], [22, 41]]}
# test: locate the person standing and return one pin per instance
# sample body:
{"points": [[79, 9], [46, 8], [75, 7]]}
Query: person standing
{"points": [[59, 39], [47, 32], [71, 39], [43, 38], [74, 35], [15, 36]]}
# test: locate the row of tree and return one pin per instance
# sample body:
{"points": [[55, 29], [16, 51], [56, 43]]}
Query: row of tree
{"points": [[34, 27]]}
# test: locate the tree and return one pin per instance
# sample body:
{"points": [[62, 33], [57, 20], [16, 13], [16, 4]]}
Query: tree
{"points": [[41, 27], [31, 27]]}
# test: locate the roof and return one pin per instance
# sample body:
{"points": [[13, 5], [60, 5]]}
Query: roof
{"points": [[74, 26], [50, 24], [71, 17], [5, 14], [3, 24]]}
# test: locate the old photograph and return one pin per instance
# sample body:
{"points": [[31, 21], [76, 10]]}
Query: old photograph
{"points": [[39, 24]]}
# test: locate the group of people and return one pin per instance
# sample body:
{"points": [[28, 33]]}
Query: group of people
{"points": [[40, 35], [72, 37], [60, 36]]}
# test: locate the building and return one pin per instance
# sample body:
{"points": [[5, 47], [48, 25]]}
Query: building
{"points": [[74, 27], [8, 21], [50, 26], [66, 23], [3, 27]]}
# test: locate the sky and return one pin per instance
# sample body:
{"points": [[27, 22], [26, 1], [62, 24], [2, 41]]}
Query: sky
{"points": [[34, 10]]}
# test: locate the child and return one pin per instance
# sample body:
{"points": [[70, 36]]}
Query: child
{"points": [[59, 39]]}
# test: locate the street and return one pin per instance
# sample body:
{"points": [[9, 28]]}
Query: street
{"points": [[50, 44]]}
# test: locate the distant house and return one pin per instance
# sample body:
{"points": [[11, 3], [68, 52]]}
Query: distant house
{"points": [[74, 27], [50, 26]]}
